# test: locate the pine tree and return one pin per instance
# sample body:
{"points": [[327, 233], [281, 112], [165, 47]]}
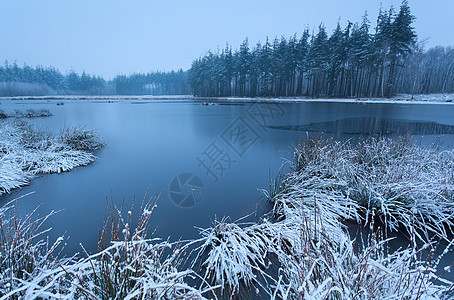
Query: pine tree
{"points": [[402, 38]]}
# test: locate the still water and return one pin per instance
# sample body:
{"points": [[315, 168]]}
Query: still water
{"points": [[205, 161]]}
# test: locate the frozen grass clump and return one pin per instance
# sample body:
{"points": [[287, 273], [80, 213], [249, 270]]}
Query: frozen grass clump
{"points": [[329, 270], [314, 257], [29, 113], [306, 239], [79, 138], [233, 255], [27, 151], [129, 264], [24, 256], [132, 265], [395, 179], [11, 177], [32, 113], [317, 264]]}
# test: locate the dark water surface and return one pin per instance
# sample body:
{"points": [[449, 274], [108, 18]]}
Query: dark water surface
{"points": [[204, 160]]}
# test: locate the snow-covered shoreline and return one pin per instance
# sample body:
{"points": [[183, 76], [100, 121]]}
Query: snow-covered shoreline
{"points": [[101, 97], [399, 99]]}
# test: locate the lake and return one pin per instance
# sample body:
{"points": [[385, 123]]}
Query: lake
{"points": [[205, 161]]}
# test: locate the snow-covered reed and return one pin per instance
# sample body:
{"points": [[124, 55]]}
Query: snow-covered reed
{"points": [[79, 138], [23, 255], [395, 179], [330, 268], [29, 113], [234, 255], [310, 255], [129, 264], [306, 237], [26, 151]]}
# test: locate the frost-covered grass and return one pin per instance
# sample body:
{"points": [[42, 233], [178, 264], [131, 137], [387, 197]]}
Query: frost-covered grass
{"points": [[129, 264], [381, 184], [29, 113], [301, 250], [317, 259], [234, 255], [404, 184], [23, 256], [27, 151]]}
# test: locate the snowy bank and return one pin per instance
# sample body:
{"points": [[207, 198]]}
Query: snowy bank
{"points": [[26, 152], [447, 99], [398, 99]]}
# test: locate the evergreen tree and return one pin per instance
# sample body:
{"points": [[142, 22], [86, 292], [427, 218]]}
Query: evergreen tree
{"points": [[402, 38]]}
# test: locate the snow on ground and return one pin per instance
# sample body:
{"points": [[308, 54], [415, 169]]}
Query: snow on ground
{"points": [[400, 99], [100, 97]]}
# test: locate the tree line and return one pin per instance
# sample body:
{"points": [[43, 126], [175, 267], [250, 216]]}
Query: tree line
{"points": [[351, 62], [354, 61], [26, 80], [153, 83]]}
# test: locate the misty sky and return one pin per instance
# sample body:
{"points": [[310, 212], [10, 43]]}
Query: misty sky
{"points": [[108, 37]]}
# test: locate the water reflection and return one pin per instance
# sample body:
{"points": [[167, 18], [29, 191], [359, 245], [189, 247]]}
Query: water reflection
{"points": [[372, 126]]}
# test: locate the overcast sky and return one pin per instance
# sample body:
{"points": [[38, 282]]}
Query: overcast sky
{"points": [[108, 37]]}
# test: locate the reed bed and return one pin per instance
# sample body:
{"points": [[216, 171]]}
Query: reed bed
{"points": [[29, 113], [402, 183], [129, 264], [24, 255], [27, 151], [381, 184]]}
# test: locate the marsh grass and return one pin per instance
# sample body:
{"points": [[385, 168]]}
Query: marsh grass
{"points": [[24, 253], [398, 181], [27, 151], [381, 184], [234, 256], [29, 113], [129, 264], [79, 138], [132, 264]]}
